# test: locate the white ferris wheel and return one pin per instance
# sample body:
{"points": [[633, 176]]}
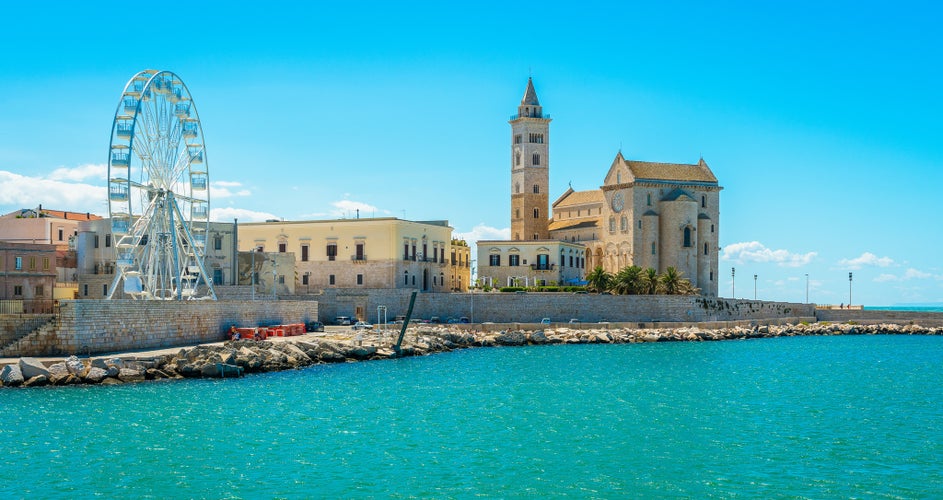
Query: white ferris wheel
{"points": [[158, 192]]}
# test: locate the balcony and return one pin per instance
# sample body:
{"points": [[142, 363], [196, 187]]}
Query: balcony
{"points": [[358, 258], [543, 267], [532, 115]]}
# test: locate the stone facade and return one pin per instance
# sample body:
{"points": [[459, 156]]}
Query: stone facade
{"points": [[530, 263], [652, 215], [365, 253], [530, 169], [100, 326], [27, 271]]}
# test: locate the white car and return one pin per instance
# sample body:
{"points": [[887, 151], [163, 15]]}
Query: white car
{"points": [[362, 325]]}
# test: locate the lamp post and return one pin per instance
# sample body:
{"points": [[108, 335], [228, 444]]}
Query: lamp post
{"points": [[806, 288], [274, 277], [754, 287], [307, 281], [733, 282], [252, 274], [849, 290]]}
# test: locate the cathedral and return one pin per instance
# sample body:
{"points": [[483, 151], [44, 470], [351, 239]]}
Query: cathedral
{"points": [[646, 214]]}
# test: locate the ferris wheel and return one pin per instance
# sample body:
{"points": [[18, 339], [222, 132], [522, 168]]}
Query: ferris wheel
{"points": [[158, 192]]}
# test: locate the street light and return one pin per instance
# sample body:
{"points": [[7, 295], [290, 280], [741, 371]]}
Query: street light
{"points": [[849, 290], [806, 288], [274, 277], [733, 282], [307, 281], [754, 287]]}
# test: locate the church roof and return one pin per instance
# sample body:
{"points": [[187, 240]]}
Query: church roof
{"points": [[573, 198], [573, 224], [698, 172], [530, 95], [677, 193]]}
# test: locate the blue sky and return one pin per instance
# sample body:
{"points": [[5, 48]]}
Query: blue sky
{"points": [[821, 119]]}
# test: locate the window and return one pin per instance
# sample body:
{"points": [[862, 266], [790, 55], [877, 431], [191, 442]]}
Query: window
{"points": [[624, 224], [360, 254], [60, 234], [494, 260], [218, 276], [536, 189], [612, 224], [687, 237], [85, 290], [562, 260], [414, 281], [359, 279], [712, 228], [517, 159], [332, 251], [95, 239], [514, 260], [535, 159], [648, 199], [405, 251], [425, 252], [45, 263], [712, 276], [518, 139], [414, 252], [453, 257], [282, 247], [17, 290], [281, 279], [330, 279], [536, 213], [517, 213], [217, 242], [32, 263], [304, 253], [705, 249], [304, 279], [536, 236], [543, 261], [653, 248], [703, 201], [406, 278], [618, 177], [640, 223], [105, 290], [571, 260]]}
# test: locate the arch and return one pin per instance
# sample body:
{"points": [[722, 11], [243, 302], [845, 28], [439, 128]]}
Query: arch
{"points": [[687, 236]]}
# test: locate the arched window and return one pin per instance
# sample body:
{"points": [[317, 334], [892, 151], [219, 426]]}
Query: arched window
{"points": [[624, 224], [618, 177], [517, 158], [536, 237], [649, 199], [687, 236], [536, 189], [705, 249], [536, 213], [703, 201], [536, 159], [612, 224], [517, 213], [653, 248]]}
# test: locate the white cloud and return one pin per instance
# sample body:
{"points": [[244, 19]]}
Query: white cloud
{"points": [[483, 232], [227, 183], [227, 214], [349, 208], [23, 191], [885, 278], [915, 274], [222, 189], [866, 259], [909, 274], [80, 173], [754, 251]]}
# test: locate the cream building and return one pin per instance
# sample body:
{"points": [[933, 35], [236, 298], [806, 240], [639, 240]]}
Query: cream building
{"points": [[647, 214], [365, 253], [530, 263]]}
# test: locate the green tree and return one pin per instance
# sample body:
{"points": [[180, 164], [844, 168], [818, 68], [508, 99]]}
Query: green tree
{"points": [[649, 282], [598, 280], [673, 283], [627, 281]]}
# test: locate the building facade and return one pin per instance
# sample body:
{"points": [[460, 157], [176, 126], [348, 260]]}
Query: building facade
{"points": [[96, 256], [365, 253], [530, 169], [27, 273], [530, 263]]}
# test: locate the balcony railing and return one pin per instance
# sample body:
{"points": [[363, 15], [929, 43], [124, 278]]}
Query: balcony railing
{"points": [[545, 116], [358, 258], [29, 306], [543, 267]]}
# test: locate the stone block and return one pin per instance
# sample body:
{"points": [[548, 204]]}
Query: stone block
{"points": [[32, 367]]}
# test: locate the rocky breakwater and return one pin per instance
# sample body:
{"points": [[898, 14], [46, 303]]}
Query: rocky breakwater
{"points": [[236, 358]]}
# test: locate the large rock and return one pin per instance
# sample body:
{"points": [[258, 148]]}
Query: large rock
{"points": [[539, 337], [75, 366], [511, 338], [130, 375], [95, 374], [32, 367], [37, 381], [11, 376]]}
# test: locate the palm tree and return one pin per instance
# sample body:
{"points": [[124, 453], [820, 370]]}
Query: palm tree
{"points": [[598, 280], [627, 281], [670, 281], [649, 282]]}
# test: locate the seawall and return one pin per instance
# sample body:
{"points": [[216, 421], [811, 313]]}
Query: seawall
{"points": [[101, 326], [873, 317]]}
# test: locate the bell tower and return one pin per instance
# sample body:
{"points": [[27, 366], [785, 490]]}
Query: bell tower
{"points": [[530, 169]]}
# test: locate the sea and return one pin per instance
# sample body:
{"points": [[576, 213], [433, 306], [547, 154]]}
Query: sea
{"points": [[793, 417]]}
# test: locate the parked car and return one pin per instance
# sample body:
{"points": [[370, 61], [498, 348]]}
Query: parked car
{"points": [[574, 321], [314, 326], [434, 319], [545, 321], [362, 325], [342, 320], [464, 320]]}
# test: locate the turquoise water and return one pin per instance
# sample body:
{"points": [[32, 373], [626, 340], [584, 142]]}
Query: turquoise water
{"points": [[814, 417], [905, 308]]}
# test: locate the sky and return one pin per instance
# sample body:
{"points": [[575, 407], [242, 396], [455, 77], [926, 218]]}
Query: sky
{"points": [[821, 120]]}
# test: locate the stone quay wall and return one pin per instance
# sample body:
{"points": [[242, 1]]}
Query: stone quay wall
{"points": [[102, 326], [871, 317], [15, 326], [530, 307]]}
